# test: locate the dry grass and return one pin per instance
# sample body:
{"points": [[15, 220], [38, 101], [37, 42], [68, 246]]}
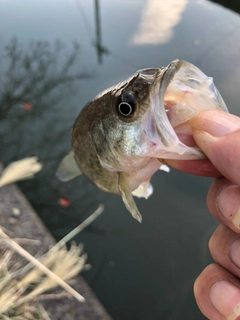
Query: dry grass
{"points": [[20, 170], [21, 289]]}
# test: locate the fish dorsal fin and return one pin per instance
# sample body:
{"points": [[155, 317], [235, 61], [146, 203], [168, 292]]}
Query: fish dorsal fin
{"points": [[68, 168], [127, 196]]}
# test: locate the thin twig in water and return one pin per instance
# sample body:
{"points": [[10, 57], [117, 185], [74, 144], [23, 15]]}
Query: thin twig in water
{"points": [[79, 228]]}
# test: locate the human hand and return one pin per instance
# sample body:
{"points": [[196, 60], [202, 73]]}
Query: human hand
{"points": [[217, 289]]}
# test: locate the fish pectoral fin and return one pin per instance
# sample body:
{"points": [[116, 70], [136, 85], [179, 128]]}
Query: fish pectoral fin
{"points": [[68, 168], [127, 196]]}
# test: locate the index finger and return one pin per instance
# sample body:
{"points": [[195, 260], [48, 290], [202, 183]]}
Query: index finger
{"points": [[217, 133]]}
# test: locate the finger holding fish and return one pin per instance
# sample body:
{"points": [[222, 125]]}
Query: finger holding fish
{"points": [[218, 134], [217, 292], [217, 289], [211, 130], [202, 167], [223, 202]]}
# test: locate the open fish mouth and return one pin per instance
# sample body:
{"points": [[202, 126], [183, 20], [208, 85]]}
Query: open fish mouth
{"points": [[179, 92]]}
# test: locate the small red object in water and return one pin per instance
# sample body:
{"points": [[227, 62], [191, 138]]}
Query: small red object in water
{"points": [[64, 202], [27, 106]]}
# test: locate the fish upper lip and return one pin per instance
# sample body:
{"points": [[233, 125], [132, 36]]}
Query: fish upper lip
{"points": [[148, 72], [169, 73], [162, 81], [162, 76]]}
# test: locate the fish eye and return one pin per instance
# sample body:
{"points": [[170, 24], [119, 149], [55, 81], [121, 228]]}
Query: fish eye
{"points": [[126, 109], [126, 106]]}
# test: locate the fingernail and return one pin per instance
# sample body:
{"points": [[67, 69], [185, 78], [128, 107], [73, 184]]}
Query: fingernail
{"points": [[235, 253], [216, 123], [230, 209], [225, 297]]}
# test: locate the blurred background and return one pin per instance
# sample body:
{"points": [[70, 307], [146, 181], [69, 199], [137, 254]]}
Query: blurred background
{"points": [[55, 56]]}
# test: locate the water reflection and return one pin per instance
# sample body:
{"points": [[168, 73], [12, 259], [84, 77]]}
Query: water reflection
{"points": [[35, 79], [34, 73], [97, 41], [157, 21]]}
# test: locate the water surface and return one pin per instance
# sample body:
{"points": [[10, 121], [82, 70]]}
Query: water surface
{"points": [[55, 57]]}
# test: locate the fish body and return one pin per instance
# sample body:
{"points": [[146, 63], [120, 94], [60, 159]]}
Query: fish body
{"points": [[120, 137]]}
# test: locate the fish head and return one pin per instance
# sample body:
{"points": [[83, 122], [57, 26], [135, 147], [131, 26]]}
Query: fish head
{"points": [[147, 116]]}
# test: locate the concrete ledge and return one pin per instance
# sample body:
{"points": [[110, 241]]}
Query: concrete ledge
{"points": [[27, 224]]}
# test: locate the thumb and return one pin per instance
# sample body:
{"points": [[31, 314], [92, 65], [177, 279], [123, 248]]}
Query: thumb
{"points": [[217, 133]]}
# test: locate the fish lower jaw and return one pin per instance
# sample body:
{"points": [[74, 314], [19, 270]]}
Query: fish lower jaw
{"points": [[181, 144]]}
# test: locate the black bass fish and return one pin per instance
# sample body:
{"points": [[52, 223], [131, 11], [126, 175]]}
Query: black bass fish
{"points": [[120, 137]]}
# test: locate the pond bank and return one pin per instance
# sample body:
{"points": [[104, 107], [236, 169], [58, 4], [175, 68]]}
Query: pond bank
{"points": [[21, 221]]}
